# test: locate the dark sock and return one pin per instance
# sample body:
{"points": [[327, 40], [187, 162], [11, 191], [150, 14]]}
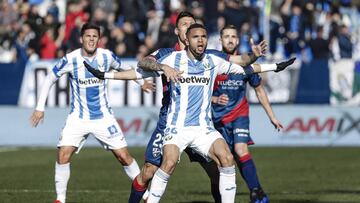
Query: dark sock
{"points": [[248, 171], [137, 191]]}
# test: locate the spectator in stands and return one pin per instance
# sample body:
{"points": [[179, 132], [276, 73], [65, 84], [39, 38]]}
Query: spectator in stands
{"points": [[320, 46], [51, 42], [294, 27], [8, 17], [345, 44]]}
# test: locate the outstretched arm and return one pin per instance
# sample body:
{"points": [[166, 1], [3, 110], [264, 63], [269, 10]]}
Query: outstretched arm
{"points": [[259, 68], [123, 75], [263, 99], [150, 64], [258, 50], [38, 115]]}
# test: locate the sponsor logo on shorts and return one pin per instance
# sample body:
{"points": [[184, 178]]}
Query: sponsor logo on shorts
{"points": [[113, 131], [242, 135], [156, 152], [239, 130]]}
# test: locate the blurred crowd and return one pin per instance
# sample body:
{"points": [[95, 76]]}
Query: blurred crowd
{"points": [[48, 29]]}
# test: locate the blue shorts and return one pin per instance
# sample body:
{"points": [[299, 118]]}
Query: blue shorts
{"points": [[153, 153], [236, 131]]}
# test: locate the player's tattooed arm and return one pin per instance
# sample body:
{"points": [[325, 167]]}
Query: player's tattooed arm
{"points": [[150, 64], [258, 50]]}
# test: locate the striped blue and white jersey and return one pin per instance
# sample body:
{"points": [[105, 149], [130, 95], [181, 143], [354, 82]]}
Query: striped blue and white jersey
{"points": [[190, 103], [88, 93]]}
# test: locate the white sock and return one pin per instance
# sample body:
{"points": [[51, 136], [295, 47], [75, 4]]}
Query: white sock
{"points": [[146, 194], [158, 186], [227, 184], [62, 175], [132, 170]]}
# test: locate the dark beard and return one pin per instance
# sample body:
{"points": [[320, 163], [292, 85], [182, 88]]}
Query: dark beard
{"points": [[230, 52]]}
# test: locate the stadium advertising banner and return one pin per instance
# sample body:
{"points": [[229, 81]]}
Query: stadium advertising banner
{"points": [[303, 126], [345, 82], [121, 93]]}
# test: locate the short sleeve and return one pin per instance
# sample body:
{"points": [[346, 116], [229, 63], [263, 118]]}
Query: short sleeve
{"points": [[61, 67]]}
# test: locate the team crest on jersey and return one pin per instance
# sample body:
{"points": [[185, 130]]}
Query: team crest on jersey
{"points": [[206, 66]]}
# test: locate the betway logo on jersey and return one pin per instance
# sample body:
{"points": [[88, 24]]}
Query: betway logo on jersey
{"points": [[195, 80], [90, 82], [230, 83]]}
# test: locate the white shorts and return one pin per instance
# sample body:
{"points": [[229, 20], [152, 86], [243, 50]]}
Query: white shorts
{"points": [[198, 138], [106, 130]]}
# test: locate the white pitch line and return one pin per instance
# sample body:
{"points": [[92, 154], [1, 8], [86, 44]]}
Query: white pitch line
{"points": [[8, 149]]}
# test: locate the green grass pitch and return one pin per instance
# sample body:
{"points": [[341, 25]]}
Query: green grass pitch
{"points": [[310, 175]]}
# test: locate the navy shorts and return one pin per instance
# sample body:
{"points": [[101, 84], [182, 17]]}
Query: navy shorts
{"points": [[236, 131], [153, 153]]}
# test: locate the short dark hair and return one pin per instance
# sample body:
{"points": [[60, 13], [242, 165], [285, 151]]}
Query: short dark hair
{"points": [[228, 27], [88, 26], [195, 25], [183, 14]]}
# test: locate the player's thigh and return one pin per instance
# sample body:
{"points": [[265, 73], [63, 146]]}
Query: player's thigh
{"points": [[180, 137], [220, 152], [205, 140], [226, 132], [170, 158], [74, 132], [107, 131]]}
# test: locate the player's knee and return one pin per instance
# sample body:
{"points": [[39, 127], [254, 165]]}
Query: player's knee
{"points": [[241, 149], [168, 166], [124, 158], [64, 156], [226, 159]]}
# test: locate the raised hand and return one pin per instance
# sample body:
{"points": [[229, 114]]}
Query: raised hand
{"points": [[282, 65], [96, 73], [36, 118], [171, 73], [259, 50], [148, 86]]}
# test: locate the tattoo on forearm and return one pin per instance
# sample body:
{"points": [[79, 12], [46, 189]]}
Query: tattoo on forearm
{"points": [[149, 64]]}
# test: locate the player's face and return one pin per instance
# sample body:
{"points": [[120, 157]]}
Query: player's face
{"points": [[197, 41], [90, 41], [183, 24], [229, 41]]}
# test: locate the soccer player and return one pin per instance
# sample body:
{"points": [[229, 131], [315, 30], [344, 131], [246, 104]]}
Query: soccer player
{"points": [[189, 119], [231, 114], [153, 155], [90, 112]]}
